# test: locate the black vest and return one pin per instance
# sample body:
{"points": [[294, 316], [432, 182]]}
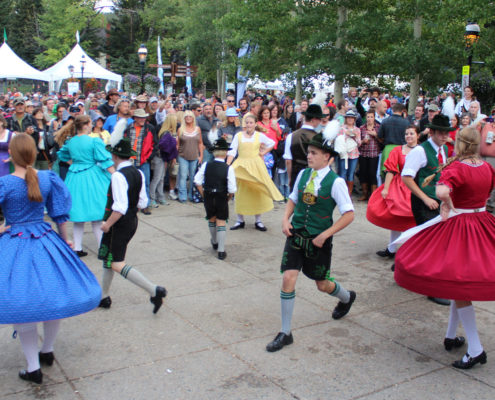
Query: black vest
{"points": [[134, 182], [216, 173]]}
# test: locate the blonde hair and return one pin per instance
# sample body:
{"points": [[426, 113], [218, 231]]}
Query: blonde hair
{"points": [[169, 125], [187, 113], [220, 153], [23, 152], [467, 145], [222, 117]]}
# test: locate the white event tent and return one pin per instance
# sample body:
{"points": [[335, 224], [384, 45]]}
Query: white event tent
{"points": [[12, 66], [60, 71]]}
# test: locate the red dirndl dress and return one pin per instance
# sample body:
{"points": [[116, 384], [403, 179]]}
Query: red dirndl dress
{"points": [[394, 212], [454, 259]]}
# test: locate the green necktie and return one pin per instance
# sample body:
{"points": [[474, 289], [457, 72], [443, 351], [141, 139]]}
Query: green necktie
{"points": [[310, 187]]}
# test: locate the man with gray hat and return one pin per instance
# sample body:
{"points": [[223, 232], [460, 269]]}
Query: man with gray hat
{"points": [[20, 119], [424, 130]]}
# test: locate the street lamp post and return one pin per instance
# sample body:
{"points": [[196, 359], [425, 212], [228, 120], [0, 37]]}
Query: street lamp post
{"points": [[71, 71], [83, 63], [471, 36], [142, 53]]}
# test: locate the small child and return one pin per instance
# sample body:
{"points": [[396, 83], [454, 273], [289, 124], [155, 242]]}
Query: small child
{"points": [[215, 181]]}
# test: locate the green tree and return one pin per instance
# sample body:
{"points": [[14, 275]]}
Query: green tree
{"points": [[59, 23]]}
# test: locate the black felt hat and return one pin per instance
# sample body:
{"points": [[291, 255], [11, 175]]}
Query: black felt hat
{"points": [[320, 142], [313, 111], [440, 122], [221, 144], [122, 149]]}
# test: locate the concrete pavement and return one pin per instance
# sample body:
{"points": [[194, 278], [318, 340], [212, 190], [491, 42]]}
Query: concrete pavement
{"points": [[208, 340]]}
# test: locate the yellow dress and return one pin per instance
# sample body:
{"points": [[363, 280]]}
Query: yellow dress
{"points": [[255, 189]]}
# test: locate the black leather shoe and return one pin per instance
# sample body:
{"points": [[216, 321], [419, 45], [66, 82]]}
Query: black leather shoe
{"points": [[385, 253], [442, 302], [392, 268], [46, 358], [238, 225], [450, 344], [105, 303], [343, 308], [157, 300], [35, 376], [260, 227], [214, 245], [471, 362], [279, 342], [81, 253], [222, 255], [146, 211]]}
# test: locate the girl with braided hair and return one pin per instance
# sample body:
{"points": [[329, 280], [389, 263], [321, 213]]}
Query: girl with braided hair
{"points": [[451, 256]]}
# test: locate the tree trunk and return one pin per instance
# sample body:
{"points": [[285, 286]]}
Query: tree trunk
{"points": [[298, 87], [222, 84], [414, 91], [339, 79], [219, 81]]}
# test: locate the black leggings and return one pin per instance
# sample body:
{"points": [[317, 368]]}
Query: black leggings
{"points": [[367, 169]]}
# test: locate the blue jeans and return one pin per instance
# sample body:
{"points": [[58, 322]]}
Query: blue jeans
{"points": [[283, 183], [145, 169], [207, 156], [348, 174], [186, 169]]}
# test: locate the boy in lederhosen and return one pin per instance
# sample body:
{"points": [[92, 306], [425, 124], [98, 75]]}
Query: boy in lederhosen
{"points": [[215, 181], [126, 195], [317, 190]]}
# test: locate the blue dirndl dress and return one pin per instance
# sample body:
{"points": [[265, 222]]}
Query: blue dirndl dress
{"points": [[41, 277]]}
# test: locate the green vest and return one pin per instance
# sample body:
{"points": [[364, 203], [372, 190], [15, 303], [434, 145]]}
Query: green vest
{"points": [[317, 217], [430, 168]]}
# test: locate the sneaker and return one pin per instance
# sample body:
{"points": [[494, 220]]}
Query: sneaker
{"points": [[153, 204], [163, 202], [172, 195]]}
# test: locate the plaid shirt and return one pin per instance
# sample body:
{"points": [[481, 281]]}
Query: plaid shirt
{"points": [[370, 149]]}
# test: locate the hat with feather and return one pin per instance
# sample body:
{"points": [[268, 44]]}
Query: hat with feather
{"points": [[119, 145]]}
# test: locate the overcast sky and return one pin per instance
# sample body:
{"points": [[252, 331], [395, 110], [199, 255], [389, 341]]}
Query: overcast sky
{"points": [[107, 4]]}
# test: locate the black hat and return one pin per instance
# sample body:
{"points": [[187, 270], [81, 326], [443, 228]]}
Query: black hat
{"points": [[122, 149], [313, 111], [440, 122], [221, 144], [320, 142]]}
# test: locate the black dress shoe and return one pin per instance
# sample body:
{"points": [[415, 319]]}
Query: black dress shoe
{"points": [[343, 308], [442, 302], [146, 211], [214, 245], [81, 253], [260, 227], [392, 268], [279, 342], [471, 362], [105, 303], [450, 344], [385, 253], [157, 300], [222, 255], [238, 225], [35, 376], [46, 358]]}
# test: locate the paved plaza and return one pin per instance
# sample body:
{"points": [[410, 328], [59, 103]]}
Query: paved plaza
{"points": [[208, 340]]}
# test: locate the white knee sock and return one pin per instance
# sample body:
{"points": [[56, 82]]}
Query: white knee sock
{"points": [[28, 335], [96, 225], [468, 319], [106, 281], [221, 237], [257, 218], [393, 236], [136, 277], [240, 218], [50, 330], [453, 321], [78, 233]]}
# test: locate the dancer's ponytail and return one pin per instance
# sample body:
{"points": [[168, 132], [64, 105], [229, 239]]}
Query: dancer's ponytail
{"points": [[23, 153]]}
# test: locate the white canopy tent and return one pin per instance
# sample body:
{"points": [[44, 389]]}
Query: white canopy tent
{"points": [[12, 66], [60, 71]]}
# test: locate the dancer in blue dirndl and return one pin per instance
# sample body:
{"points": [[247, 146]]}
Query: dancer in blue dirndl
{"points": [[41, 278]]}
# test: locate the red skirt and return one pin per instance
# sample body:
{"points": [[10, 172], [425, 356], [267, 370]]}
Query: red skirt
{"points": [[451, 260], [394, 212]]}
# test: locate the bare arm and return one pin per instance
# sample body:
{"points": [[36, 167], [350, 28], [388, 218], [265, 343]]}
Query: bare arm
{"points": [[341, 223], [388, 180], [288, 165], [114, 217], [443, 194], [286, 225], [414, 188]]}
